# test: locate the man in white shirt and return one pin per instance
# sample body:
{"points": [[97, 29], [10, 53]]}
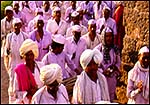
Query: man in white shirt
{"points": [[57, 55], [56, 25], [106, 20], [75, 21], [12, 56], [92, 37], [75, 45]]}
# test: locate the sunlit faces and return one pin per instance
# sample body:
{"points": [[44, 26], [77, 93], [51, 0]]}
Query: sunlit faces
{"points": [[144, 59], [109, 38]]}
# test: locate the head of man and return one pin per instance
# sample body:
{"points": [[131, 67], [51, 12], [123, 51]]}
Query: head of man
{"points": [[107, 37], [51, 76], [106, 12], [143, 57], [80, 11], [16, 6], [9, 12], [90, 60], [57, 13], [39, 22], [46, 5], [29, 50], [76, 30], [17, 24], [92, 26], [75, 18], [73, 4], [58, 42], [38, 11]]}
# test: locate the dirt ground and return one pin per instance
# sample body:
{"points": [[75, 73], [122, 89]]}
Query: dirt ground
{"points": [[4, 84]]}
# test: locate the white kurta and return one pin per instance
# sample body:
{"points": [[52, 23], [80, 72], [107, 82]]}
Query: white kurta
{"points": [[71, 47], [91, 44], [86, 91], [43, 97], [110, 22], [69, 30], [60, 59], [52, 27], [36, 75]]}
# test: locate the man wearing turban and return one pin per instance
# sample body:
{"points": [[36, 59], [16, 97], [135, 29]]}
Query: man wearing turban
{"points": [[26, 79], [138, 79], [53, 91], [90, 86]]}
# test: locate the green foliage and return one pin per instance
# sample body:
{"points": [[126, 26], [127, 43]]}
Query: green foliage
{"points": [[3, 5]]}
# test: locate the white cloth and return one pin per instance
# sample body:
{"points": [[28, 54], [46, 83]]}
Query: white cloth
{"points": [[134, 76], [92, 44], [144, 50], [58, 38], [43, 97], [16, 20], [50, 73], [91, 21], [53, 27], [110, 22], [86, 91], [88, 55], [28, 45], [9, 8], [60, 59], [76, 28]]}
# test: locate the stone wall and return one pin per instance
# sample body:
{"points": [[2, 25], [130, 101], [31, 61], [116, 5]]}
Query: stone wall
{"points": [[136, 22]]}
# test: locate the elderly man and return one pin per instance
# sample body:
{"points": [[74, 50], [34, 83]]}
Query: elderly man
{"points": [[75, 45], [57, 55], [138, 79], [111, 62], [41, 37], [90, 86], [53, 91], [6, 27], [92, 37], [11, 55], [75, 21], [27, 75], [56, 25]]}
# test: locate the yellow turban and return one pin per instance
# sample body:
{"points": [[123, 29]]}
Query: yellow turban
{"points": [[50, 73], [27, 46]]}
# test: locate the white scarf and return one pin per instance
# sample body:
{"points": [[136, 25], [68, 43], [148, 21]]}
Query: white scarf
{"points": [[146, 81]]}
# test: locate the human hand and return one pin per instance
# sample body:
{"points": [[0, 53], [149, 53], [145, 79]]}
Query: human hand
{"points": [[140, 85]]}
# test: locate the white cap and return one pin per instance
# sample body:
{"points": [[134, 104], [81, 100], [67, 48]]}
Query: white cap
{"points": [[56, 9], [9, 8], [91, 21], [16, 20], [15, 2], [76, 28], [108, 29], [79, 9], [106, 7], [38, 10], [74, 14], [144, 50], [38, 17], [59, 38]]}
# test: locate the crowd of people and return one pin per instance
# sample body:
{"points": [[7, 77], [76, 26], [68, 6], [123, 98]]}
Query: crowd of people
{"points": [[47, 42]]}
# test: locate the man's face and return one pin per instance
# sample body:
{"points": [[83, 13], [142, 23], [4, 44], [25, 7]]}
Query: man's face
{"points": [[40, 24], [16, 7], [17, 27], [77, 35], [92, 67], [106, 14], [9, 14], [109, 38], [76, 20], [57, 14], [144, 60], [92, 28]]}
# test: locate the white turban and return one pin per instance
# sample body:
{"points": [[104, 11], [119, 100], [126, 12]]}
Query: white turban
{"points": [[144, 50], [16, 20], [87, 56], [15, 2], [106, 7], [107, 29], [50, 73], [91, 21], [38, 10], [9, 8], [74, 14], [59, 38], [56, 9], [27, 46], [38, 17], [76, 28], [79, 9]]}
